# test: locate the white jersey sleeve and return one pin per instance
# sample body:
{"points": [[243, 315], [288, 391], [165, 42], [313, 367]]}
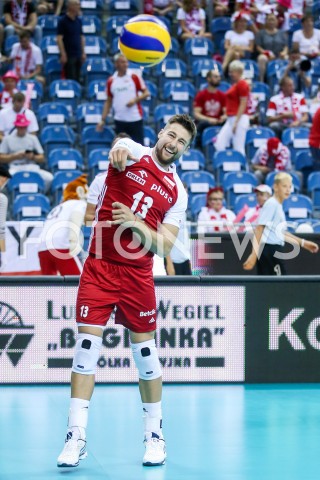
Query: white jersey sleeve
{"points": [[96, 187], [176, 214]]}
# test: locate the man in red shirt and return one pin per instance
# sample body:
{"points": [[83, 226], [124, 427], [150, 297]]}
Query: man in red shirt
{"points": [[209, 105], [237, 124], [314, 140], [139, 213]]}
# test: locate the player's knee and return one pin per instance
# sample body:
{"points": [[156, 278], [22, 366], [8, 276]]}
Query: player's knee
{"points": [[146, 359], [86, 354]]}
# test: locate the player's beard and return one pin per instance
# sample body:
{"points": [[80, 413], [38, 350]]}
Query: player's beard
{"points": [[166, 161]]}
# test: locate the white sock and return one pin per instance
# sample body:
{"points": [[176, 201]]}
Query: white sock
{"points": [[78, 417], [152, 416]]}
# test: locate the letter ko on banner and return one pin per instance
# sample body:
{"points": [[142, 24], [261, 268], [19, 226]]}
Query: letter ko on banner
{"points": [[200, 335]]}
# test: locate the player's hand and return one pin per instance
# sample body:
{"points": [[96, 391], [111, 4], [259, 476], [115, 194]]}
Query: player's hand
{"points": [[250, 262], [131, 103], [122, 214], [311, 246], [118, 158]]}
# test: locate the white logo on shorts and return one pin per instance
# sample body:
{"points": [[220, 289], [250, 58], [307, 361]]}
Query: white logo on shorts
{"points": [[152, 320], [146, 314]]}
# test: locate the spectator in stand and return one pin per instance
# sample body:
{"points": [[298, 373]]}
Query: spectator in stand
{"points": [[10, 80], [46, 7], [214, 212], [163, 8], [297, 69], [271, 44], [23, 151], [287, 109], [252, 105], [239, 42], [59, 241], [307, 40], [125, 91], [297, 8], [237, 124], [209, 106], [314, 140], [20, 16], [273, 156], [250, 214], [71, 41], [4, 177], [192, 20], [221, 8], [8, 116], [27, 59]]}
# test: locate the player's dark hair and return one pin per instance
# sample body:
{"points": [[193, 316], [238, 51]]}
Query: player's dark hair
{"points": [[186, 122], [119, 136]]}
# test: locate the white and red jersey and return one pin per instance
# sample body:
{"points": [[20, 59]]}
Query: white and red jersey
{"points": [[152, 193], [211, 103], [295, 104], [209, 215], [297, 8], [122, 90], [55, 234], [6, 98], [25, 61], [252, 105], [281, 161], [96, 186]]}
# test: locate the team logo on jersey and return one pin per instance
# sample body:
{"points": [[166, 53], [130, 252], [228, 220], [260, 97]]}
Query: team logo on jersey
{"points": [[143, 173], [147, 159], [169, 182], [135, 177], [163, 193]]}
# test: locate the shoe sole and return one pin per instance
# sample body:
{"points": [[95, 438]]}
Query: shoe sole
{"points": [[66, 465], [149, 464]]}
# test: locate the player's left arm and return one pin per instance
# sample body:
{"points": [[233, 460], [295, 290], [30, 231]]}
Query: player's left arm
{"points": [[158, 241], [306, 244]]}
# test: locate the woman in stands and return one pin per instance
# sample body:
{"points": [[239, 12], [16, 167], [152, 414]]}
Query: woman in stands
{"points": [[239, 42], [192, 20], [271, 44], [214, 216], [237, 124], [307, 40]]}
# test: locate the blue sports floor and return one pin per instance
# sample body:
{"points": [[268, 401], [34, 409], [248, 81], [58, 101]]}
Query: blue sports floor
{"points": [[213, 432]]}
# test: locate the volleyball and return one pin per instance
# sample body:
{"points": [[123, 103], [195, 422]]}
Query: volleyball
{"points": [[145, 40]]}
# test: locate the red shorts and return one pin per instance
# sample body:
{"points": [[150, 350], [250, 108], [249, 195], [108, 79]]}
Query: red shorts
{"points": [[53, 262], [104, 285]]}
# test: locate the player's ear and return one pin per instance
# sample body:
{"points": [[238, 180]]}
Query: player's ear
{"points": [[160, 133]]}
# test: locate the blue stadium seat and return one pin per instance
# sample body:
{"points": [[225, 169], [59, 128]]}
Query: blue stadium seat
{"points": [[96, 91], [52, 69], [67, 92], [91, 139], [198, 49], [274, 73], [236, 184], [95, 46], [251, 69], [219, 26], [163, 112], [198, 182], [150, 136], [53, 113], [114, 26], [241, 201], [207, 143], [196, 202], [96, 69], [295, 180], [200, 69], [8, 44], [174, 49], [227, 161], [304, 164], [49, 47], [257, 136], [49, 24], [36, 94], [170, 68], [150, 103], [25, 182], [31, 207], [88, 114], [296, 139], [56, 137], [192, 159], [129, 7], [181, 92], [297, 207], [92, 7], [313, 187], [98, 161], [60, 180], [91, 25], [65, 159], [223, 86]]}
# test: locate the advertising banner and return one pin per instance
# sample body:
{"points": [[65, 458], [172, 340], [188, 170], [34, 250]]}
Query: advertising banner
{"points": [[200, 335]]}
